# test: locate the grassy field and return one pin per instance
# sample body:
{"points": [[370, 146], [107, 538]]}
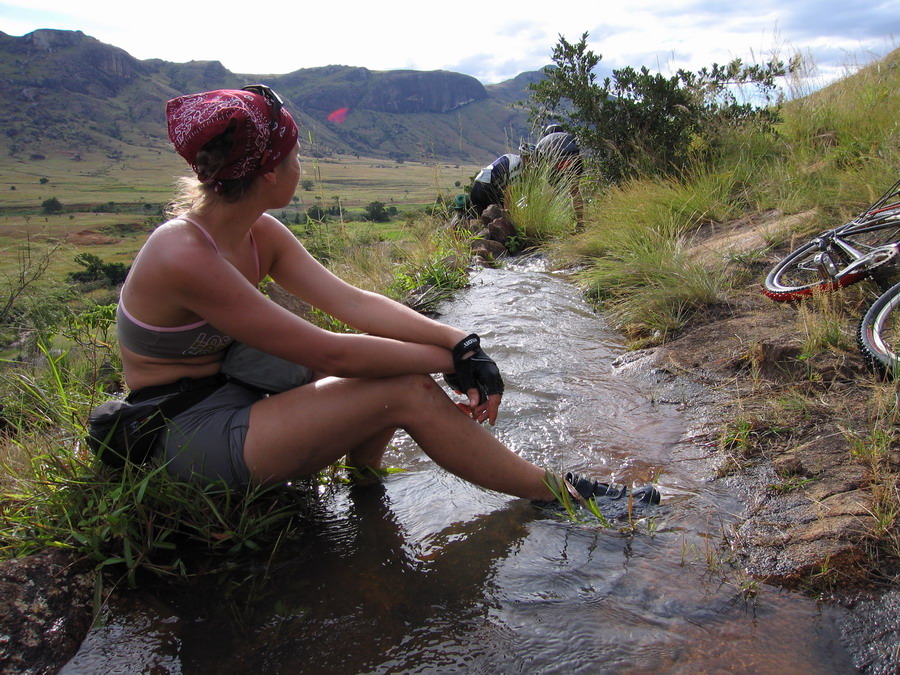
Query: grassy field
{"points": [[146, 177], [111, 202]]}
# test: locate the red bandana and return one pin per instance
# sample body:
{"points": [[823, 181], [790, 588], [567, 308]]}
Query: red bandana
{"points": [[196, 119]]}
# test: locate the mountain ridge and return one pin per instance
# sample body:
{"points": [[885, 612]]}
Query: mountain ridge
{"points": [[66, 91]]}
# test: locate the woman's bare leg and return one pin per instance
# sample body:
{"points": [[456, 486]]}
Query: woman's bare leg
{"points": [[369, 453], [305, 430]]}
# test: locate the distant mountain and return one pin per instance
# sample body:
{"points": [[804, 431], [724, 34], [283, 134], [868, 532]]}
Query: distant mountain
{"points": [[68, 92]]}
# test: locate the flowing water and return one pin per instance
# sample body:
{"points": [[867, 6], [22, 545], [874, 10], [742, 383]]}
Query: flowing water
{"points": [[428, 574]]}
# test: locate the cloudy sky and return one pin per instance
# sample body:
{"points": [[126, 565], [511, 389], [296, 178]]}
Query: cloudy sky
{"points": [[493, 40]]}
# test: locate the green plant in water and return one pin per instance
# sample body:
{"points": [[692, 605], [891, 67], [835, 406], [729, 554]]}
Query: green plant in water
{"points": [[365, 475], [577, 509], [737, 435], [574, 505], [719, 563]]}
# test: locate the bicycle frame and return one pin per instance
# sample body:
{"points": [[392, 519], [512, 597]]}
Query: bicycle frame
{"points": [[858, 262], [867, 246]]}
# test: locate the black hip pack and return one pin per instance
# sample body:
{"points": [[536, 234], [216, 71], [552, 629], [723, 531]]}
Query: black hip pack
{"points": [[124, 430]]}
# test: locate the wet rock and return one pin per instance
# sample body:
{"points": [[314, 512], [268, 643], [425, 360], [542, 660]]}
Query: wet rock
{"points": [[792, 539], [492, 232], [487, 250], [45, 611], [502, 229], [789, 465], [492, 212], [497, 232], [872, 633]]}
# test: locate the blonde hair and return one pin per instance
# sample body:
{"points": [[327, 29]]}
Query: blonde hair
{"points": [[191, 193]]}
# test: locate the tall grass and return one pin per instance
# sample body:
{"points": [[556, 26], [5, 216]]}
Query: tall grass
{"points": [[54, 494], [844, 142], [636, 251], [540, 204], [421, 270]]}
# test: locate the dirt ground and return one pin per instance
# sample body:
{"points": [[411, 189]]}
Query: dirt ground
{"points": [[788, 429]]}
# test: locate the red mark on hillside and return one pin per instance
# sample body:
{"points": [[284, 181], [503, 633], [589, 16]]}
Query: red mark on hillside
{"points": [[339, 115]]}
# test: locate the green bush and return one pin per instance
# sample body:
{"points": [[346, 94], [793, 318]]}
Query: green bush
{"points": [[51, 206], [641, 123]]}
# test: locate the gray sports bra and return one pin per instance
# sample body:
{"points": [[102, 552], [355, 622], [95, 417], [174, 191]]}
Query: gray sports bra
{"points": [[173, 342]]}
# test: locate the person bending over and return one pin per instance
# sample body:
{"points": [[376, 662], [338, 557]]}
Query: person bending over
{"points": [[489, 185]]}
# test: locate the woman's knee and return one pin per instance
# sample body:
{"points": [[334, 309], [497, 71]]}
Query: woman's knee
{"points": [[415, 391], [417, 385]]}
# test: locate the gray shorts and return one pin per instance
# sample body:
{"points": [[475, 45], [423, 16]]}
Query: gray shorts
{"points": [[207, 440]]}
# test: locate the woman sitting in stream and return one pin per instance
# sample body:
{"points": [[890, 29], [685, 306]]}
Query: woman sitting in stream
{"points": [[192, 298]]}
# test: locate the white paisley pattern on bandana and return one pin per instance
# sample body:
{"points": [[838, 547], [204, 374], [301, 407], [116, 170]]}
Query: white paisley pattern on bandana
{"points": [[200, 113]]}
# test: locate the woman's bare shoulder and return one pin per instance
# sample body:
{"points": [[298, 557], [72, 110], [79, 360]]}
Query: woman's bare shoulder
{"points": [[175, 247], [269, 226]]}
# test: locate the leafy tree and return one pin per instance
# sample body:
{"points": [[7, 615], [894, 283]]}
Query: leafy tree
{"points": [[307, 184], [96, 269], [51, 206], [640, 122], [316, 212], [376, 212], [44, 180]]}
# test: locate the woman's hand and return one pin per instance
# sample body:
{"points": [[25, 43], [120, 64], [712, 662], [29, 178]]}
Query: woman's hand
{"points": [[477, 376], [485, 412]]}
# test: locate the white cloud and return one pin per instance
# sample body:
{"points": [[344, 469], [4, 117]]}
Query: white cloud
{"points": [[493, 41]]}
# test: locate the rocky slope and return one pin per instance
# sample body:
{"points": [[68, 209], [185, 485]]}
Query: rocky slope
{"points": [[67, 89]]}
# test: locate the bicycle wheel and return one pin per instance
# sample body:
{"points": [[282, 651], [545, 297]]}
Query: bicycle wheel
{"points": [[879, 333], [838, 258], [810, 268]]}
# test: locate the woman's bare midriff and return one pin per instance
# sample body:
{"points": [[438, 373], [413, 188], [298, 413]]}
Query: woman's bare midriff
{"points": [[143, 371]]}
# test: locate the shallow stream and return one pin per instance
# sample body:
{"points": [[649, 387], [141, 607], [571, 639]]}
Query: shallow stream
{"points": [[428, 574]]}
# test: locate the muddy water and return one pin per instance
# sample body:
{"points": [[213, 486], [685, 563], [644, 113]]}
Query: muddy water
{"points": [[428, 574]]}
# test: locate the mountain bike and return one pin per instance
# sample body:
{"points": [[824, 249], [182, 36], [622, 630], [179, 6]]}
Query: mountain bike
{"points": [[867, 246], [879, 333]]}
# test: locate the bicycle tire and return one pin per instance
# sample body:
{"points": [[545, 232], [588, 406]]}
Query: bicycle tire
{"points": [[878, 338], [797, 275]]}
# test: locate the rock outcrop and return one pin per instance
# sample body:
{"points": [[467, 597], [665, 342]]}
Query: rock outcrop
{"points": [[45, 611]]}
